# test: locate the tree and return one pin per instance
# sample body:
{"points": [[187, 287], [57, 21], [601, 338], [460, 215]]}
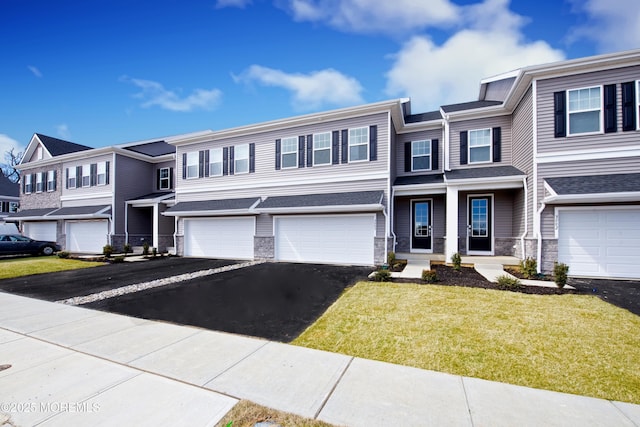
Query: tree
{"points": [[12, 159]]}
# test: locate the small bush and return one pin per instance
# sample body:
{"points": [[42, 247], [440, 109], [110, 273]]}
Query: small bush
{"points": [[63, 254], [145, 249], [107, 250], [507, 282], [429, 276], [154, 252], [382, 276], [529, 268], [126, 249], [456, 260], [560, 271], [391, 258], [118, 259]]}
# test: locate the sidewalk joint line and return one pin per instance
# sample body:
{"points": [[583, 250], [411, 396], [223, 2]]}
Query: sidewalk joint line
{"points": [[326, 399], [466, 400]]}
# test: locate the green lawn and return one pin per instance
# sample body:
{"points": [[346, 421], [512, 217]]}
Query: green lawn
{"points": [[16, 267], [568, 343]]}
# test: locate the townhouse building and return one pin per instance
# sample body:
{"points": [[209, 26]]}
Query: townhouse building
{"points": [[543, 163], [9, 196]]}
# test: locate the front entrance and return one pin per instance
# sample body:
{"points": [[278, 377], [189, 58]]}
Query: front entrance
{"points": [[480, 227], [421, 221]]}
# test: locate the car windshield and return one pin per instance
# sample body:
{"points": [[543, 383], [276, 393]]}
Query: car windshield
{"points": [[19, 239]]}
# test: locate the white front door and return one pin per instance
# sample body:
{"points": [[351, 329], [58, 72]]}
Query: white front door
{"points": [[230, 238]]}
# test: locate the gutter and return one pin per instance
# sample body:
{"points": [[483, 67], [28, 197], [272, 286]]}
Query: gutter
{"points": [[526, 218]]}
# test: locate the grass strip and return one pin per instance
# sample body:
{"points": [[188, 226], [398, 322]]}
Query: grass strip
{"points": [[18, 267]]}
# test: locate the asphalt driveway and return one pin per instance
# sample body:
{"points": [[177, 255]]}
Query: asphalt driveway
{"points": [[276, 301]]}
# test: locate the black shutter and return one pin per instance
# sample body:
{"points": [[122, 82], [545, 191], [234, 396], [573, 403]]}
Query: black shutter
{"points": [[66, 180], [610, 104], [309, 151], [170, 178], [231, 160], [345, 146], [24, 184], [278, 156], [93, 170], [252, 157], [200, 163], [435, 157], [407, 156], [497, 144], [106, 171], [184, 165], [559, 114], [335, 147], [301, 151], [463, 147], [78, 176], [629, 106], [55, 180], [225, 161], [373, 143], [207, 168], [158, 179]]}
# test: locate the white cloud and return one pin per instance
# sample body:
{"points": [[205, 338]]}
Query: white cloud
{"points": [[63, 131], [6, 144], [232, 3], [434, 75], [154, 94], [310, 91], [613, 25], [36, 72], [364, 17]]}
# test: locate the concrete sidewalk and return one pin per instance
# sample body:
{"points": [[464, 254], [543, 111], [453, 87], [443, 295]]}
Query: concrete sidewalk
{"points": [[74, 366]]}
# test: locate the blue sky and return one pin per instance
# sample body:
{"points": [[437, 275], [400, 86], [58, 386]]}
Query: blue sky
{"points": [[104, 72]]}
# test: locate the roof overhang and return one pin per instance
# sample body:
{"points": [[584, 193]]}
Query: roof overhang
{"points": [[84, 212], [626, 197], [495, 182], [151, 201], [419, 189], [214, 208], [219, 212], [322, 209]]}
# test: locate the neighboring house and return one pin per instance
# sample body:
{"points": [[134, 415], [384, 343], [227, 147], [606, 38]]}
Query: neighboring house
{"points": [[86, 198], [9, 196], [545, 163]]}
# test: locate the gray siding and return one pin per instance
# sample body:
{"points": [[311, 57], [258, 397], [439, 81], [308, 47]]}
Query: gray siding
{"points": [[416, 136], [504, 122], [498, 90], [522, 154], [547, 143], [87, 191], [135, 178]]}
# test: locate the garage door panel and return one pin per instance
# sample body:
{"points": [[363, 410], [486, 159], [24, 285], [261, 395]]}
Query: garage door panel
{"points": [[87, 236], [46, 230], [220, 237], [600, 243], [338, 239]]}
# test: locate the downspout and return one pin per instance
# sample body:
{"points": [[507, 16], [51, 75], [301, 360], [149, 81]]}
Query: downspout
{"points": [[539, 235], [113, 199], [447, 140], [126, 223], [391, 201], [526, 218], [175, 235], [393, 233]]}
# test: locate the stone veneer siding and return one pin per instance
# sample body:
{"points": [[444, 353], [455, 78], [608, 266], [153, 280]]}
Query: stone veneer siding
{"points": [[264, 247]]}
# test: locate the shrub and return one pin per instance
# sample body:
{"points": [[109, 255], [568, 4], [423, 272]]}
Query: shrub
{"points": [[560, 271], [63, 254], [382, 276], [145, 249], [429, 276], [154, 252], [508, 282], [529, 268], [126, 249], [391, 258], [118, 259], [456, 260], [107, 250]]}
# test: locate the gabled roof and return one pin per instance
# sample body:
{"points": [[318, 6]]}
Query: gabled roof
{"points": [[8, 188], [58, 147], [152, 149]]}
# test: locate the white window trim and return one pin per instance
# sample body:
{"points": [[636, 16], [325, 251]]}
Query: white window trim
{"points": [[71, 175], [86, 167], [428, 141], [28, 184], [13, 207], [330, 148], [282, 152], [167, 179], [51, 174], [637, 104], [190, 156], [366, 143], [39, 183], [211, 162], [236, 159], [600, 116], [104, 166], [469, 161]]}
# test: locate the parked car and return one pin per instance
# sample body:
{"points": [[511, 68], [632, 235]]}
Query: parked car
{"points": [[12, 244]]}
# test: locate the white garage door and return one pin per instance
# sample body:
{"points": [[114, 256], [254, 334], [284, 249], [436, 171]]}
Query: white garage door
{"points": [[45, 230], [333, 239], [87, 236], [600, 243], [219, 237]]}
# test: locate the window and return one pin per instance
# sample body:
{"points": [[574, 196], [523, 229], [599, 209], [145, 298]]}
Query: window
{"points": [[164, 178], [241, 160], [421, 155], [13, 207], [86, 175], [358, 144], [322, 148], [638, 103], [39, 153], [28, 185], [584, 110], [215, 162], [71, 177], [192, 165], [289, 152], [51, 181], [39, 182], [480, 146], [102, 173]]}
